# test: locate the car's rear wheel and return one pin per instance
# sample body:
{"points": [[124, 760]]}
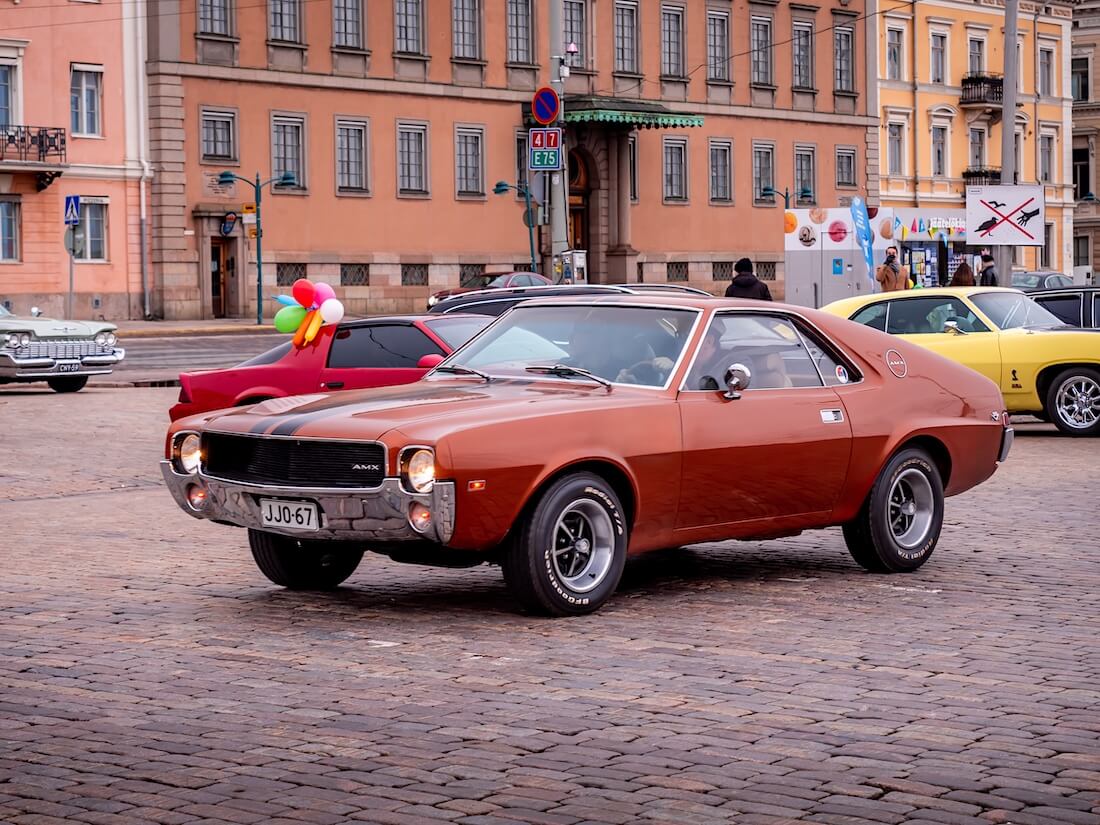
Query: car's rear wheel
{"points": [[567, 555], [299, 564], [72, 384], [899, 524], [1073, 401]]}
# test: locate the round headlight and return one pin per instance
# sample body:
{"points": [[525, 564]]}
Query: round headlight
{"points": [[190, 453], [112, 339], [25, 339], [101, 339], [420, 470]]}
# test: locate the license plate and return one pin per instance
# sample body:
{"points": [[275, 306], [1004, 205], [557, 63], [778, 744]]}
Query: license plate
{"points": [[68, 366], [289, 515]]}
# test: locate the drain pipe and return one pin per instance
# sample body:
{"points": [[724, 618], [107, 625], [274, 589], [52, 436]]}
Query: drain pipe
{"points": [[143, 155]]}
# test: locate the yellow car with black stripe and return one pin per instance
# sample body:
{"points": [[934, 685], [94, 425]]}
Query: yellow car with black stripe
{"points": [[1043, 366]]}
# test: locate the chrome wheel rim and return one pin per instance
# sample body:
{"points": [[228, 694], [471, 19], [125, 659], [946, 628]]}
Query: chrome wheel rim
{"points": [[1078, 402], [584, 542], [912, 507]]}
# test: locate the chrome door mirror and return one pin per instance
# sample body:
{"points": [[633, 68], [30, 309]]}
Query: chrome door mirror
{"points": [[738, 378], [952, 327], [35, 312]]}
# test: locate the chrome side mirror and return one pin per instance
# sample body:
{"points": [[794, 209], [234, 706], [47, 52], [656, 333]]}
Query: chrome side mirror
{"points": [[35, 312], [953, 328], [738, 378]]}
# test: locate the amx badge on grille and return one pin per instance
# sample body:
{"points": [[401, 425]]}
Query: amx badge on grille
{"points": [[370, 467]]}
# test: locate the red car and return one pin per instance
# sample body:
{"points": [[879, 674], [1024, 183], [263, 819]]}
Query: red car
{"points": [[373, 352], [508, 279]]}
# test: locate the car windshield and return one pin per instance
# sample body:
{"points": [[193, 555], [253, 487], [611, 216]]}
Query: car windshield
{"points": [[1009, 310], [457, 331], [621, 344], [4, 311], [1026, 280]]}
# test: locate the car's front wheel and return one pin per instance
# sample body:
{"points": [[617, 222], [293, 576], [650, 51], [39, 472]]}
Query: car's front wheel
{"points": [[1073, 401], [899, 524], [72, 384], [299, 564], [568, 553]]}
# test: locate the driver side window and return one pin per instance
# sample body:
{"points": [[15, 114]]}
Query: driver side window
{"points": [[769, 346], [927, 316]]}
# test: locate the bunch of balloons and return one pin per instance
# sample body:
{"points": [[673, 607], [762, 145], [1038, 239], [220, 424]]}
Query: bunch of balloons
{"points": [[307, 307]]}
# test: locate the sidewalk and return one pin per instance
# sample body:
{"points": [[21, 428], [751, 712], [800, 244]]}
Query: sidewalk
{"points": [[213, 326]]}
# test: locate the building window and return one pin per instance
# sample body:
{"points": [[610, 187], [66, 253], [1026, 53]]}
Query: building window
{"points": [[633, 144], [977, 148], [763, 173], [351, 156], [466, 16], [347, 24], [9, 231], [718, 46], [938, 70], [1048, 246], [939, 151], [469, 178], [761, 50], [288, 148], [675, 167], [802, 52], [1081, 251], [1046, 72], [805, 174], [85, 85], [976, 56], [672, 41], [1046, 158], [575, 17], [845, 167], [93, 217], [219, 136], [287, 273], [521, 158], [721, 171], [626, 37], [414, 274], [471, 275], [894, 152], [412, 160], [1019, 67], [1079, 78], [676, 271], [214, 17], [1082, 172], [519, 32], [284, 21], [7, 92], [354, 274], [721, 271], [893, 54], [409, 26], [843, 59]]}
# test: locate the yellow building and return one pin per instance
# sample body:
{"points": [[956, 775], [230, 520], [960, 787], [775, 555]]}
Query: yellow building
{"points": [[940, 87]]}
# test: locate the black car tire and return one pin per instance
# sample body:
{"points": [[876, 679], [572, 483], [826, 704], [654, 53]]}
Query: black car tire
{"points": [[907, 496], [1083, 380], [567, 554], [298, 564], [72, 384]]}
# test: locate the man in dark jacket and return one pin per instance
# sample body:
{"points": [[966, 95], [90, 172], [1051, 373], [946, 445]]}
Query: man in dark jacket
{"points": [[745, 284], [989, 271]]}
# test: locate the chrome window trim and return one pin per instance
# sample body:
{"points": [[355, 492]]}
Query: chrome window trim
{"points": [[1080, 296], [401, 474]]}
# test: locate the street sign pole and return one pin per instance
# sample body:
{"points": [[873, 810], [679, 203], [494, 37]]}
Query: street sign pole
{"points": [[1003, 254], [69, 306], [259, 256], [559, 188], [529, 219]]}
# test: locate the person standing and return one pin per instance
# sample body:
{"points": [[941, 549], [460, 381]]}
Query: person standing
{"points": [[892, 276], [745, 284], [989, 271], [964, 275]]}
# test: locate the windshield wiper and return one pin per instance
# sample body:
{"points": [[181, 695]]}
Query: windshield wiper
{"points": [[565, 371], [458, 369]]}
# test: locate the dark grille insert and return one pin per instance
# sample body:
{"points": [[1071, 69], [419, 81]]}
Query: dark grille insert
{"points": [[292, 462]]}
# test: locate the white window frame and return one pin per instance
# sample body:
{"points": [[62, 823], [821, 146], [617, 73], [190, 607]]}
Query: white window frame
{"points": [[900, 30], [420, 127], [850, 33], [758, 198], [85, 221], [12, 60], [850, 152], [946, 126], [17, 231], [805, 27], [632, 144], [202, 20], [805, 150], [341, 40], [523, 174], [673, 66], [296, 23], [362, 125], [520, 50], [769, 61], [902, 165], [627, 58], [1088, 78], [477, 133], [971, 131], [722, 145], [86, 70], [420, 22], [945, 69], [718, 65], [982, 54], [466, 45], [290, 119], [225, 116], [1049, 86], [681, 144], [580, 59], [1052, 136]]}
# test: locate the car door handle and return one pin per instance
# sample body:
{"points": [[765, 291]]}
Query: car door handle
{"points": [[334, 385]]}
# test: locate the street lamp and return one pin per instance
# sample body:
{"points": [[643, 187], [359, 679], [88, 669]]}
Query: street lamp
{"points": [[502, 187], [285, 179], [803, 194]]}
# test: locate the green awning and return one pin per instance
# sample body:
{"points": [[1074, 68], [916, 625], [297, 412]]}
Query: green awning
{"points": [[643, 120]]}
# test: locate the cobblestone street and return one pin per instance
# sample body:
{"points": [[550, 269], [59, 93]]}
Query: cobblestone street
{"points": [[150, 674]]}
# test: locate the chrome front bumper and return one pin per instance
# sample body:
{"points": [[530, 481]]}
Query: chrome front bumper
{"points": [[1007, 437], [380, 515], [15, 367]]}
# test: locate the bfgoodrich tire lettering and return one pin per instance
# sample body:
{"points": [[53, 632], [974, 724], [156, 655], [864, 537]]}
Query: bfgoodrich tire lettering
{"points": [[1073, 401], [899, 524], [567, 555], [299, 564]]}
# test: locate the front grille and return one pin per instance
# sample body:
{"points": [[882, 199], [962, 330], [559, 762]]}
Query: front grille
{"points": [[62, 348], [293, 462]]}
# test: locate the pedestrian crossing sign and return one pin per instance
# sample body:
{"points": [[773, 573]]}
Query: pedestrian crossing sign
{"points": [[72, 210]]}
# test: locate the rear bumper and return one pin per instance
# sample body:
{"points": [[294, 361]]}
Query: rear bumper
{"points": [[1007, 438], [15, 368]]}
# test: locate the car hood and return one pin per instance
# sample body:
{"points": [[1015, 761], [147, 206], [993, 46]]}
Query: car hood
{"points": [[51, 328], [437, 405]]}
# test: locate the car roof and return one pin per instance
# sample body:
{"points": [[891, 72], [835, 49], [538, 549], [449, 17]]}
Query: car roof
{"points": [[404, 319], [671, 300], [858, 301], [1069, 288]]}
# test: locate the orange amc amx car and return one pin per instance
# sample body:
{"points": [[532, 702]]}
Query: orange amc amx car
{"points": [[573, 432]]}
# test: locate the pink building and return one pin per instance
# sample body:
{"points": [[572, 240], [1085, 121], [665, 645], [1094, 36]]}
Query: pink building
{"points": [[71, 123], [398, 117]]}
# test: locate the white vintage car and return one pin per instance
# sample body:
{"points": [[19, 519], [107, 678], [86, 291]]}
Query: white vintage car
{"points": [[61, 353]]}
